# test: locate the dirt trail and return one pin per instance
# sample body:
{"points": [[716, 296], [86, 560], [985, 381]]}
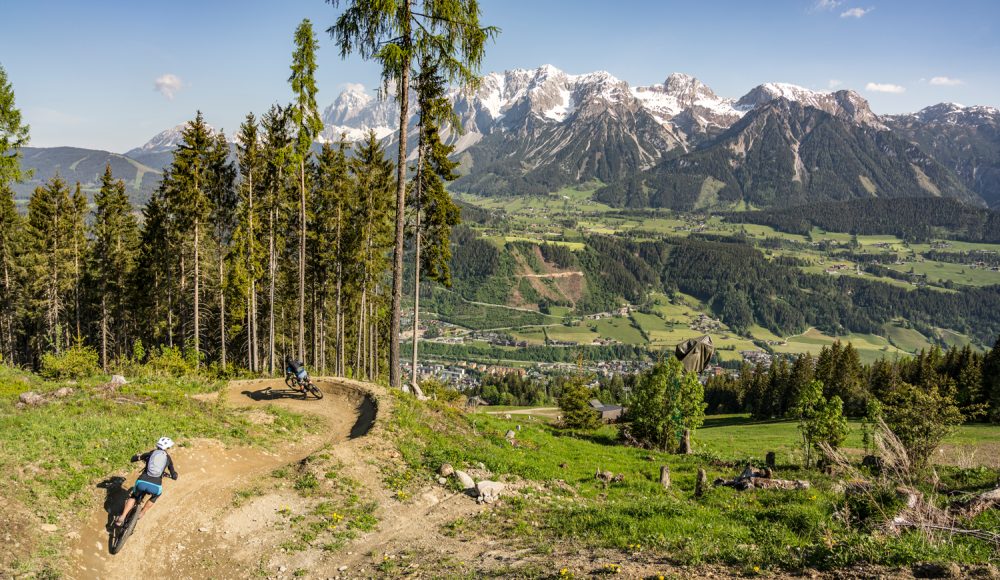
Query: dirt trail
{"points": [[208, 475]]}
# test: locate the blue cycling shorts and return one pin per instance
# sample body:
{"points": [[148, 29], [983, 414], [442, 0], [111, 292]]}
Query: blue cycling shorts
{"points": [[301, 375], [150, 488]]}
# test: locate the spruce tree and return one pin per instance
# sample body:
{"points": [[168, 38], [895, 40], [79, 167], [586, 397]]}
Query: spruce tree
{"points": [[115, 235], [397, 35], [276, 145], [13, 135], [50, 273], [188, 176], [10, 224], [222, 199], [428, 197], [308, 126], [247, 239]]}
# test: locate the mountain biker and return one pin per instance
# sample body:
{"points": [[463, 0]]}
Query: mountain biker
{"points": [[157, 462], [296, 368]]}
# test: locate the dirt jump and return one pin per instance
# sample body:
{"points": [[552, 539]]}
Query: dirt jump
{"points": [[184, 536]]}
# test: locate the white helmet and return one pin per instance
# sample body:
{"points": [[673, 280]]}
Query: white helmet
{"points": [[164, 443]]}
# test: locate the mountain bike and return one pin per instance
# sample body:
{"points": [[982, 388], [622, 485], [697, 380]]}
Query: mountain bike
{"points": [[307, 387], [119, 534]]}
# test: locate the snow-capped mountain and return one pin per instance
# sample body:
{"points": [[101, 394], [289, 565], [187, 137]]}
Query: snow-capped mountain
{"points": [[165, 141], [539, 130], [964, 139]]}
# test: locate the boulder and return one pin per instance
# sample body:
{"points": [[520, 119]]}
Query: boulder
{"points": [[118, 380], [467, 482], [490, 487], [30, 399], [510, 434], [442, 480], [49, 528], [63, 392], [446, 470], [488, 491]]}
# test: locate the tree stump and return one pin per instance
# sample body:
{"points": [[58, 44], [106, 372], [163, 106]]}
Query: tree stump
{"points": [[701, 483], [685, 448], [770, 460], [665, 476]]}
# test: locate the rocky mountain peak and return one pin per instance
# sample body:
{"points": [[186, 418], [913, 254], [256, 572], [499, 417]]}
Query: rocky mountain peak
{"points": [[955, 114]]}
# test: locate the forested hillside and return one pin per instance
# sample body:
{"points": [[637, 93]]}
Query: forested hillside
{"points": [[911, 218], [784, 154], [86, 166]]}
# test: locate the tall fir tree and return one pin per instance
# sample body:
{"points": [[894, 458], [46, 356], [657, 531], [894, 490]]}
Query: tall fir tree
{"points": [[116, 238], [308, 126], [397, 35], [434, 212]]}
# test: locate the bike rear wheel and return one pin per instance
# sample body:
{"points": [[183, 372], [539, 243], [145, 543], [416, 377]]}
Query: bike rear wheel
{"points": [[120, 535], [316, 392]]}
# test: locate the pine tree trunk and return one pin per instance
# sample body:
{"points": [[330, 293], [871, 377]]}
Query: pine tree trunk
{"points": [[361, 334], [302, 263], [339, 367], [6, 286], [183, 299], [272, 267], [197, 294], [416, 265], [252, 307], [222, 307], [397, 255], [315, 327], [76, 273], [170, 296], [104, 327]]}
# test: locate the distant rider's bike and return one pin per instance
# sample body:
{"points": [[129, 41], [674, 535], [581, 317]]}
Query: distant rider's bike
{"points": [[121, 533], [306, 387]]}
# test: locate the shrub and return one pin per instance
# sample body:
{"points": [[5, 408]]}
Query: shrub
{"points": [[821, 422], [77, 362], [432, 387], [172, 362], [667, 401], [575, 405], [922, 416]]}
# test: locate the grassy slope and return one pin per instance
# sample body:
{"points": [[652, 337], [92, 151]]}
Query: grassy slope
{"points": [[762, 529], [51, 456]]}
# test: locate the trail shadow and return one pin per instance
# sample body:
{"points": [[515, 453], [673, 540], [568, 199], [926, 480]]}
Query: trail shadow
{"points": [[115, 495], [269, 394], [738, 421], [366, 418]]}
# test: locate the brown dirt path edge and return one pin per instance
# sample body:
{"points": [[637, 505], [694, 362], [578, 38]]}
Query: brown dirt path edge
{"points": [[209, 473]]}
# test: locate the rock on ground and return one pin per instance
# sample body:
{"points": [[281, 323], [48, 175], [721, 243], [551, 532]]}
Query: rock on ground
{"points": [[31, 399], [467, 482]]}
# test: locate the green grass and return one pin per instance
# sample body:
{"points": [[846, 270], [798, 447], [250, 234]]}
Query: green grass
{"points": [[906, 338], [764, 528]]}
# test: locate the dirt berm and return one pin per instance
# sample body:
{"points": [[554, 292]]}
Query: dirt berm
{"points": [[168, 538]]}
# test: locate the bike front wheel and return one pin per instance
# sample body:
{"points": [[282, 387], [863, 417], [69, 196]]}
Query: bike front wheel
{"points": [[120, 534], [314, 390]]}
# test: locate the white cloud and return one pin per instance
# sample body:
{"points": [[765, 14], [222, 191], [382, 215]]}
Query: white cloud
{"points": [[826, 4], [352, 87], [835, 83], [945, 81], [856, 12], [880, 88], [168, 85]]}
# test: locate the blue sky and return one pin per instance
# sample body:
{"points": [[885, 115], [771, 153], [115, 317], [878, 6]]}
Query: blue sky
{"points": [[84, 72]]}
